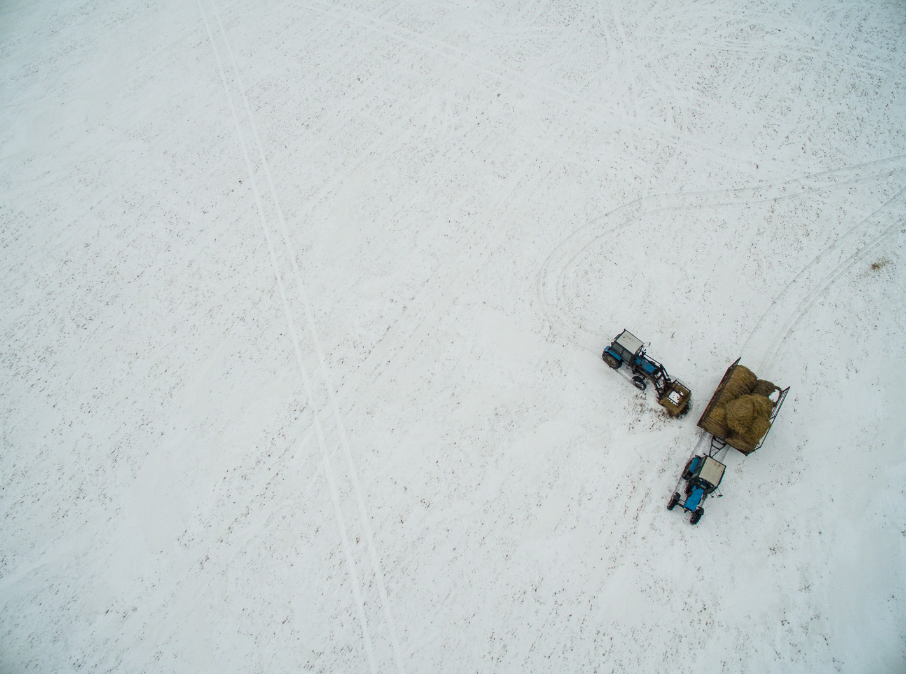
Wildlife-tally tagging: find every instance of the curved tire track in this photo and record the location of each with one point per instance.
(561, 260)
(824, 270)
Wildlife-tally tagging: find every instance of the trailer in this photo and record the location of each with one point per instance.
(711, 421)
(672, 394)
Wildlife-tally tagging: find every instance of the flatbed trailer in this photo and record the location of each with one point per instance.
(708, 423)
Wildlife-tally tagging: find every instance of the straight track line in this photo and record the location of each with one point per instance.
(328, 470)
(325, 373)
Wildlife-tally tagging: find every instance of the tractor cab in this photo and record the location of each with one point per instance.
(624, 349)
(702, 475)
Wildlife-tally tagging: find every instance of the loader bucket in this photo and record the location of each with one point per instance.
(676, 398)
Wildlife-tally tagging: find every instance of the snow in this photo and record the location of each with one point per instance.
(304, 308)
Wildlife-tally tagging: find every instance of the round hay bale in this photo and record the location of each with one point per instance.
(764, 388)
(756, 431)
(719, 415)
(743, 412)
(763, 406)
(741, 382)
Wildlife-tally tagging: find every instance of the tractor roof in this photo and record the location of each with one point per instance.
(629, 341)
(712, 472)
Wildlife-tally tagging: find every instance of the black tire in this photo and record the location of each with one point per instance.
(696, 516)
(687, 471)
(689, 488)
(671, 504)
(610, 360)
(639, 383)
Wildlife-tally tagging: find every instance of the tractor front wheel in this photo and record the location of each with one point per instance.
(696, 516)
(611, 360)
(671, 504)
(639, 383)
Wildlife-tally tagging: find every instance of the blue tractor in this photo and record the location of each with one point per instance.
(702, 476)
(627, 349)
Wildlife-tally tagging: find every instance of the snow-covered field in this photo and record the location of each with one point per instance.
(303, 307)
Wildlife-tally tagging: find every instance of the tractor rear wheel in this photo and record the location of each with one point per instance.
(671, 504)
(610, 360)
(696, 516)
(687, 471)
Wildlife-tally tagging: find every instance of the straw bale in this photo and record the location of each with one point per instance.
(754, 434)
(764, 388)
(743, 412)
(741, 382)
(719, 415)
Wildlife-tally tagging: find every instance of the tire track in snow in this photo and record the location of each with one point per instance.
(806, 288)
(634, 92)
(337, 179)
(325, 373)
(328, 470)
(521, 81)
(561, 259)
(468, 261)
(769, 47)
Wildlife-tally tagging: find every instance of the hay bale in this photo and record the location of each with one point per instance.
(741, 382)
(764, 388)
(719, 415)
(755, 432)
(743, 412)
(737, 442)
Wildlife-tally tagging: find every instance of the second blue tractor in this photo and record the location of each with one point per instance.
(627, 349)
